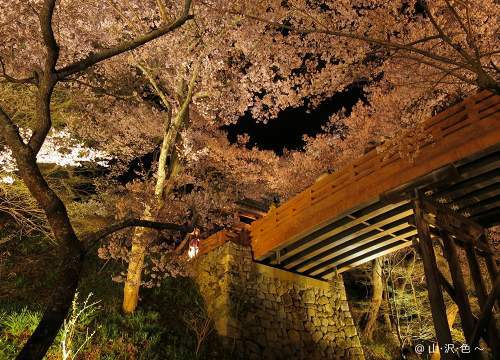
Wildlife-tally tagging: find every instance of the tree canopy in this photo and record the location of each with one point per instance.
(123, 78)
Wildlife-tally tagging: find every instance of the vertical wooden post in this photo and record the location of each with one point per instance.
(435, 294)
(490, 264)
(460, 291)
(485, 316)
(477, 279)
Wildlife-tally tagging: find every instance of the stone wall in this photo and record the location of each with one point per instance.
(266, 313)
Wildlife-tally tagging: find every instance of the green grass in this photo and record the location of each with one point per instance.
(155, 331)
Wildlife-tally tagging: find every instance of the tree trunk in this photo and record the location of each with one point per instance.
(141, 236)
(376, 299)
(135, 265)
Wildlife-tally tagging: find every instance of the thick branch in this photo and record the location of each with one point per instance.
(443, 35)
(48, 35)
(93, 59)
(92, 239)
(46, 78)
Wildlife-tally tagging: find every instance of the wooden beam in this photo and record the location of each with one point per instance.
(435, 294)
(477, 279)
(454, 222)
(343, 268)
(461, 299)
(464, 188)
(341, 229)
(363, 249)
(348, 242)
(485, 317)
(491, 263)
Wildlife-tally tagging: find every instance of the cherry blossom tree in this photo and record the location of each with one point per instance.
(117, 72)
(51, 65)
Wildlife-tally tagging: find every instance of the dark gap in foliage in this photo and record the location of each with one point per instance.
(288, 129)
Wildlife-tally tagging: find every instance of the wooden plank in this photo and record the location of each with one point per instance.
(450, 252)
(435, 294)
(472, 184)
(342, 228)
(483, 206)
(339, 241)
(353, 265)
(361, 251)
(476, 196)
(338, 248)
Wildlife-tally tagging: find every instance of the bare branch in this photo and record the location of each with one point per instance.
(157, 88)
(467, 30)
(102, 91)
(425, 39)
(92, 239)
(11, 79)
(96, 58)
(436, 66)
(163, 10)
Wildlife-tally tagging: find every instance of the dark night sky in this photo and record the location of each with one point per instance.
(287, 129)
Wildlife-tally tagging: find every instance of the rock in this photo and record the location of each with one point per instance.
(287, 300)
(272, 289)
(350, 331)
(272, 335)
(317, 336)
(323, 300)
(252, 347)
(308, 297)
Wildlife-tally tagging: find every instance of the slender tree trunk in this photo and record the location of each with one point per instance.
(135, 265)
(376, 300)
(140, 238)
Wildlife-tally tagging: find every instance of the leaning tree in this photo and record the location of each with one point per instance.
(44, 61)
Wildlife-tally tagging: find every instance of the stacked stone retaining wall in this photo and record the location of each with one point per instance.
(268, 313)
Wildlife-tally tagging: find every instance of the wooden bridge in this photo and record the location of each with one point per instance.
(364, 210)
(447, 191)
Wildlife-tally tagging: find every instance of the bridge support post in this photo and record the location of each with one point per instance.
(435, 294)
(454, 229)
(460, 290)
(480, 287)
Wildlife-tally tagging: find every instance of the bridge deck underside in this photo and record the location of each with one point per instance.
(471, 187)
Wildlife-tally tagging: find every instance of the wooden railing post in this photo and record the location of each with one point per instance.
(438, 308)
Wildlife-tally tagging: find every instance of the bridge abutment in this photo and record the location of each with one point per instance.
(267, 313)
